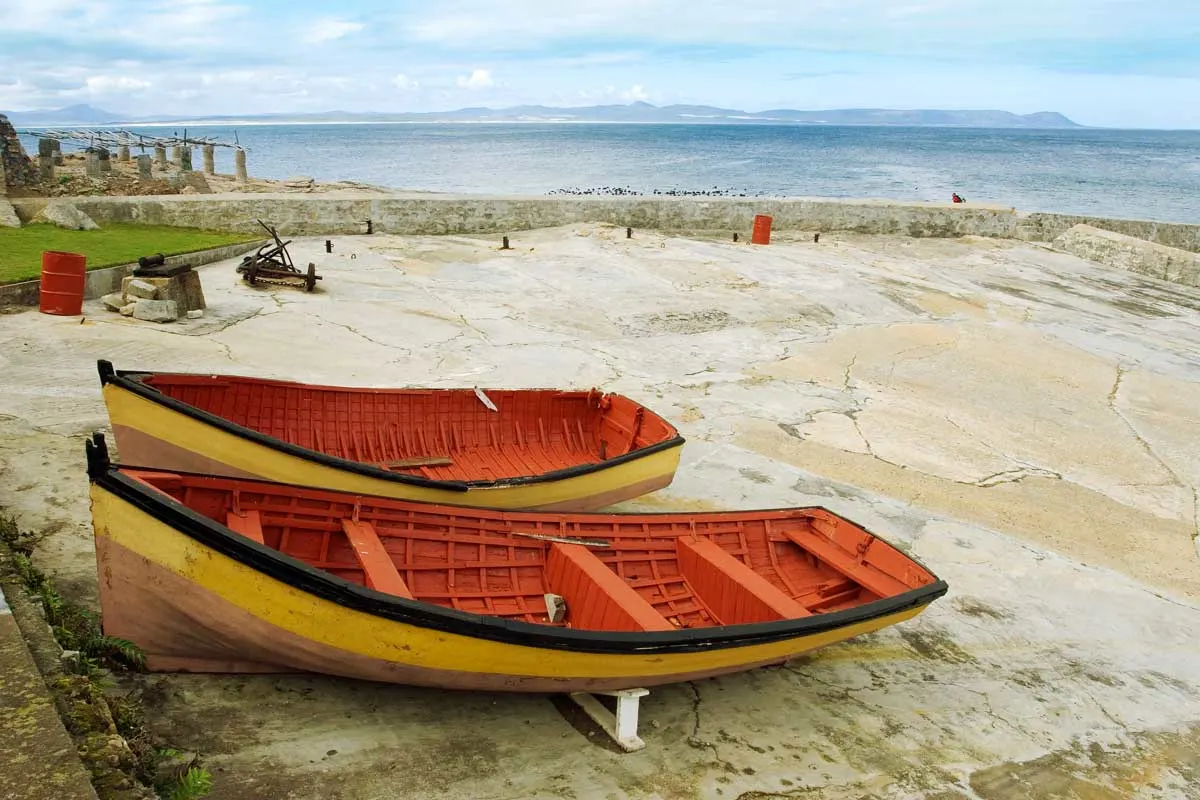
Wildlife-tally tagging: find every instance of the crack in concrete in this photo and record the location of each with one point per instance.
(461, 317)
(1150, 451)
(228, 350)
(847, 693)
(846, 374)
(1013, 476)
(991, 712)
(694, 739)
(363, 336)
(695, 707)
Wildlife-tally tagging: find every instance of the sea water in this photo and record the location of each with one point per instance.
(1119, 173)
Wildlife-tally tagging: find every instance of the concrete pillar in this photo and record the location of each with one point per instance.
(92, 164)
(58, 156)
(46, 160)
(185, 159)
(160, 157)
(105, 161)
(144, 171)
(175, 155)
(239, 165)
(123, 154)
(210, 159)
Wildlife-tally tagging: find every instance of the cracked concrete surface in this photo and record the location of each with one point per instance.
(1024, 422)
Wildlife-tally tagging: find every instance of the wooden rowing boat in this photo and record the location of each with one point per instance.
(530, 448)
(213, 574)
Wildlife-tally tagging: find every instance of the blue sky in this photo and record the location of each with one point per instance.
(1102, 62)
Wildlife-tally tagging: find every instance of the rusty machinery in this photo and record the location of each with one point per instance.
(272, 264)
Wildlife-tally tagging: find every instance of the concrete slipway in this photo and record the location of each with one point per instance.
(1025, 422)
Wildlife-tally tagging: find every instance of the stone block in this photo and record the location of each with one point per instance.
(114, 301)
(156, 310)
(127, 310)
(65, 215)
(8, 215)
(139, 288)
(183, 288)
(144, 167)
(190, 291)
(197, 182)
(195, 313)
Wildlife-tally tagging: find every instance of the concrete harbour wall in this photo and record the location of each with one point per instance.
(315, 215)
(1131, 253)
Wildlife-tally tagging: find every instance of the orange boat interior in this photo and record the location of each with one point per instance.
(441, 434)
(614, 572)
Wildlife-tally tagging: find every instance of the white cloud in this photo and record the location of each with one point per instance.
(637, 92)
(405, 83)
(478, 79)
(328, 30)
(106, 84)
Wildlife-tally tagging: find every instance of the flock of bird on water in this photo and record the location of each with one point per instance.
(626, 191)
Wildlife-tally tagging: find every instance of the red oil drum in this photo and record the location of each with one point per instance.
(762, 230)
(63, 276)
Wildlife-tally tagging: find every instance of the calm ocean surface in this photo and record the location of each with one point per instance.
(1139, 174)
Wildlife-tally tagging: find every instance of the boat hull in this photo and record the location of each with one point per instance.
(152, 434)
(192, 608)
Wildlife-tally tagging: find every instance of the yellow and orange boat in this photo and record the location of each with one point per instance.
(539, 449)
(217, 574)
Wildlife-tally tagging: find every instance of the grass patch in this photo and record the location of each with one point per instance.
(114, 244)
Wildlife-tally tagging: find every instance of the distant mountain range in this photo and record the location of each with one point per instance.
(634, 112)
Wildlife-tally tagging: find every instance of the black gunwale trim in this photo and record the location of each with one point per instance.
(310, 580)
(128, 380)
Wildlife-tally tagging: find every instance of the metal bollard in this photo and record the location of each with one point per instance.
(505, 245)
(370, 229)
(629, 233)
(328, 246)
(735, 237)
(816, 238)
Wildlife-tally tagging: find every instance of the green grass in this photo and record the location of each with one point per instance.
(115, 243)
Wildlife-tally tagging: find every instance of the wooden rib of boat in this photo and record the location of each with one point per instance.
(524, 449)
(213, 574)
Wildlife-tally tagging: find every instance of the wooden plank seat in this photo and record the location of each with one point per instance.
(247, 523)
(597, 598)
(733, 592)
(853, 567)
(379, 571)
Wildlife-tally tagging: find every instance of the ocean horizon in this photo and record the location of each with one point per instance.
(1138, 174)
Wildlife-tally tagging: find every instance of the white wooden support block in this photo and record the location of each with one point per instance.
(622, 726)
